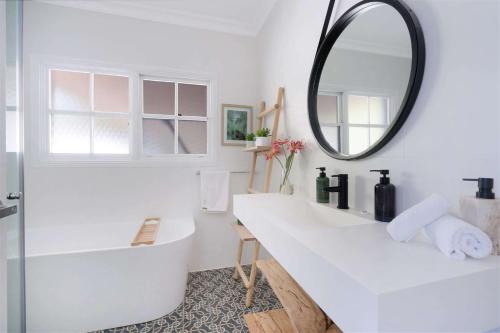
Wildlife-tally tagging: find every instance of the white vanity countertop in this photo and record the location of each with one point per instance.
(358, 251)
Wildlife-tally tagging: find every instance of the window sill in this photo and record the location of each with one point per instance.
(125, 161)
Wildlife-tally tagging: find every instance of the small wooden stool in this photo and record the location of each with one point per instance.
(248, 282)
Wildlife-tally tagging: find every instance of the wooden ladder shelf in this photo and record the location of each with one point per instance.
(276, 111)
(243, 233)
(303, 315)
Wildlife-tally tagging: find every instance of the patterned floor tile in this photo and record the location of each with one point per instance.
(214, 303)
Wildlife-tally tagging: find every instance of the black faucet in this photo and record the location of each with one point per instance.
(342, 189)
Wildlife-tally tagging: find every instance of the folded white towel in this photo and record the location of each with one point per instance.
(214, 187)
(457, 238)
(407, 224)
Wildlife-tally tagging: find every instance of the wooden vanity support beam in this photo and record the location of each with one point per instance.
(274, 321)
(304, 314)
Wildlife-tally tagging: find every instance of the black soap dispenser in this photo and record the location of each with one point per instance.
(485, 187)
(322, 182)
(385, 198)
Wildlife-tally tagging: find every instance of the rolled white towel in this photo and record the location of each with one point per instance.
(407, 224)
(457, 238)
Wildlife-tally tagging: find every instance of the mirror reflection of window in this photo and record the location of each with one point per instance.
(367, 120)
(329, 118)
(364, 80)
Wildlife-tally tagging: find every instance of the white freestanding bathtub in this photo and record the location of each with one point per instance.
(88, 277)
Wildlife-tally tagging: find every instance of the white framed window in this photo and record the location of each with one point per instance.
(174, 117)
(90, 113)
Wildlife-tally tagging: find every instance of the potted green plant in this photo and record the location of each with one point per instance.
(263, 137)
(250, 140)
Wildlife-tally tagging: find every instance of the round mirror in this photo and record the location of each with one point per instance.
(365, 78)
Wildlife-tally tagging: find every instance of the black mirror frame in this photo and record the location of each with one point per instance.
(414, 83)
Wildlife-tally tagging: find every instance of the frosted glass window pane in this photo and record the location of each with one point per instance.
(158, 136)
(111, 136)
(378, 111)
(111, 93)
(359, 139)
(331, 134)
(192, 137)
(376, 133)
(327, 109)
(357, 107)
(192, 100)
(70, 90)
(159, 97)
(70, 134)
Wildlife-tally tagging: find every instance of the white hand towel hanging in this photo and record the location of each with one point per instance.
(214, 186)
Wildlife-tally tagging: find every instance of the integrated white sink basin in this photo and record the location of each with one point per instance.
(330, 216)
(365, 281)
(302, 213)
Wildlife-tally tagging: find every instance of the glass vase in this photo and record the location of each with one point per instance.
(285, 186)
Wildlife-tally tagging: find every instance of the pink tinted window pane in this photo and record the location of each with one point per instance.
(110, 93)
(192, 137)
(159, 97)
(70, 90)
(192, 100)
(327, 109)
(158, 136)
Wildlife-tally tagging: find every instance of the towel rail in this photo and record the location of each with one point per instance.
(198, 172)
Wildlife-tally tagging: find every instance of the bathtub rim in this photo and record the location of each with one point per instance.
(189, 233)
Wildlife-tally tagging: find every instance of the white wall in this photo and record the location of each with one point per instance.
(453, 130)
(70, 195)
(3, 238)
(451, 133)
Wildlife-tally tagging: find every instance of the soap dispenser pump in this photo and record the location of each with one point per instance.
(485, 187)
(322, 182)
(385, 198)
(483, 210)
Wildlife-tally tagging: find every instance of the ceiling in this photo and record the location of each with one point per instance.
(243, 17)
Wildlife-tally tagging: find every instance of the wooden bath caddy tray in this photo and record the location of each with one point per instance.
(148, 232)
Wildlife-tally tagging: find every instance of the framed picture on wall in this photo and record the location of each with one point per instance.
(236, 123)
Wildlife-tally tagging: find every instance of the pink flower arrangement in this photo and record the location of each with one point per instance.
(296, 146)
(289, 148)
